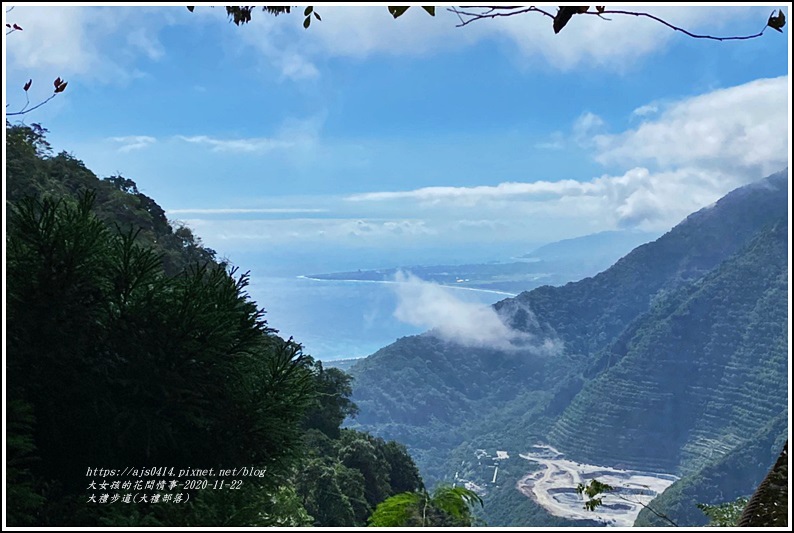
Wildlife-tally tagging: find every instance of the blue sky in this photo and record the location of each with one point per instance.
(372, 135)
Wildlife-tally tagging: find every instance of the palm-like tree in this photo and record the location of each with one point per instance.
(446, 506)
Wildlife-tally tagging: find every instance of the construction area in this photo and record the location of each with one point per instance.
(553, 487)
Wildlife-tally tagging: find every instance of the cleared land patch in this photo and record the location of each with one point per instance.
(554, 487)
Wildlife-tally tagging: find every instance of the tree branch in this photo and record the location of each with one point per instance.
(676, 28)
(24, 111)
(493, 12)
(651, 509)
(474, 13)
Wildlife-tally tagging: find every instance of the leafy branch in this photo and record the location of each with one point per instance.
(242, 14)
(421, 509)
(651, 509)
(13, 28)
(592, 491)
(59, 84)
(471, 14)
(595, 489)
(725, 514)
(397, 11)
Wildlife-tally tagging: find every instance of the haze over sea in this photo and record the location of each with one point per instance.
(341, 319)
(345, 319)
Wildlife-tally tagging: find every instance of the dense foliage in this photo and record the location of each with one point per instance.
(32, 171)
(128, 345)
(725, 514)
(446, 507)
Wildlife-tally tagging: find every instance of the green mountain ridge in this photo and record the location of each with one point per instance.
(701, 374)
(601, 245)
(713, 289)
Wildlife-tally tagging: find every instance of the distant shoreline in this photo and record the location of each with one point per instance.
(492, 291)
(342, 364)
(345, 359)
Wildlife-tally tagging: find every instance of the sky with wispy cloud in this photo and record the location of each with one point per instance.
(368, 133)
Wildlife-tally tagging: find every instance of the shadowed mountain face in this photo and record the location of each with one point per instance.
(722, 479)
(690, 378)
(666, 360)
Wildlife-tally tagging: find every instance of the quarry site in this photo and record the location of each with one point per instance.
(553, 487)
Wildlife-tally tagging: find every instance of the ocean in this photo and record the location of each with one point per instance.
(341, 319)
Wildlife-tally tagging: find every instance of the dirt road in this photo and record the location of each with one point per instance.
(554, 488)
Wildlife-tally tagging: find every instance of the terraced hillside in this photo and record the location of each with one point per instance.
(721, 480)
(689, 380)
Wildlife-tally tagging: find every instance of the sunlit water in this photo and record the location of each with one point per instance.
(340, 319)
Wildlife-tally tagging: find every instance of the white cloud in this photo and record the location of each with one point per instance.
(247, 145)
(52, 37)
(637, 198)
(235, 233)
(296, 67)
(478, 194)
(134, 142)
(550, 145)
(738, 130)
(346, 31)
(103, 44)
(615, 44)
(477, 224)
(690, 154)
(364, 31)
(687, 155)
(293, 134)
(100, 44)
(588, 42)
(586, 126)
(281, 45)
(645, 110)
(143, 39)
(238, 211)
(429, 305)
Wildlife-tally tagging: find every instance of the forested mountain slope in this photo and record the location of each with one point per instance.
(656, 362)
(130, 347)
(720, 480)
(690, 379)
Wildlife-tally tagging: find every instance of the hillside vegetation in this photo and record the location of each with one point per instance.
(667, 360)
(129, 347)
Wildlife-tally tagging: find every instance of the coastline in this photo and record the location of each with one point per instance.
(491, 291)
